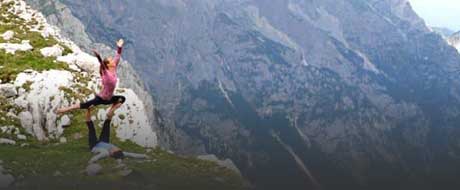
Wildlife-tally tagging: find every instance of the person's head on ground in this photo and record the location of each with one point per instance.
(117, 154)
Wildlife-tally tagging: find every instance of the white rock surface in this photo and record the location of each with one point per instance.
(8, 35)
(62, 140)
(7, 141)
(64, 121)
(38, 105)
(21, 137)
(82, 60)
(27, 121)
(93, 169)
(8, 90)
(53, 51)
(12, 48)
(135, 124)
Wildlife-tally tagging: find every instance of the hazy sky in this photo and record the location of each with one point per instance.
(445, 13)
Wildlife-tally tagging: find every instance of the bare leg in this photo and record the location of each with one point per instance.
(67, 109)
(112, 109)
(88, 114)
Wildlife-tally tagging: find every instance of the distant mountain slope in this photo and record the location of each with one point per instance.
(356, 94)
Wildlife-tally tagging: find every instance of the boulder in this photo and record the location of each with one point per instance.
(82, 60)
(64, 121)
(12, 48)
(93, 169)
(62, 140)
(8, 35)
(21, 137)
(8, 90)
(53, 51)
(7, 141)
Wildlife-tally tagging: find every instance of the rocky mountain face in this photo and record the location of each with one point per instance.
(320, 94)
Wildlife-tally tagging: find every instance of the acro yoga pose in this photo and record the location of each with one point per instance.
(108, 72)
(102, 147)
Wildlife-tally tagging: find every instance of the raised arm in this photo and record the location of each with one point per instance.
(97, 56)
(102, 66)
(117, 57)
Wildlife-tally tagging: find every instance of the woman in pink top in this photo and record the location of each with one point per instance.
(108, 71)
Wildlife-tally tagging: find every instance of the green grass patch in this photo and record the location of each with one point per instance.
(20, 61)
(38, 164)
(67, 50)
(122, 117)
(5, 108)
(6, 120)
(17, 63)
(27, 86)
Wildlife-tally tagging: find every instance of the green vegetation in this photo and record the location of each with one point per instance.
(76, 92)
(122, 117)
(27, 86)
(67, 49)
(17, 63)
(20, 61)
(40, 163)
(6, 120)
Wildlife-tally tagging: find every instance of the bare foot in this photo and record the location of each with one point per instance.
(59, 111)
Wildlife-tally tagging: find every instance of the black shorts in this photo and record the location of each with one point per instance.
(98, 101)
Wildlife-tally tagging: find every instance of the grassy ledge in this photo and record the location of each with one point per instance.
(55, 165)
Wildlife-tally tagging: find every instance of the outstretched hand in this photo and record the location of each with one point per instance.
(120, 42)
